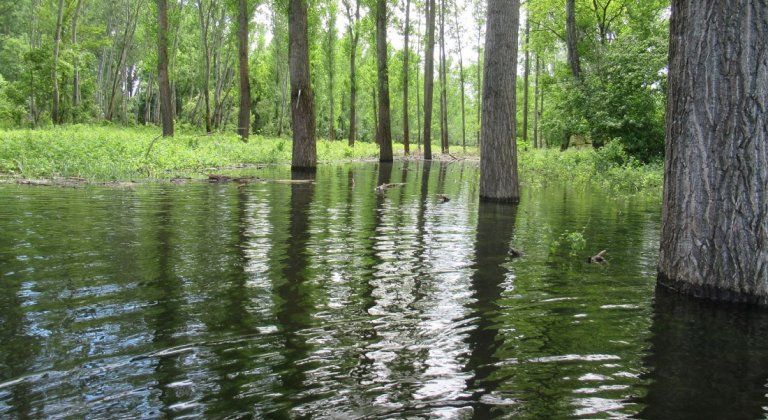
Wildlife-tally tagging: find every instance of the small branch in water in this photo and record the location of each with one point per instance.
(383, 187)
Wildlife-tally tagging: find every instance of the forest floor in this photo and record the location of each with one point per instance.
(115, 156)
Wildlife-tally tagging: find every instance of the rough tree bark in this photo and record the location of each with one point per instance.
(572, 40)
(166, 110)
(406, 56)
(384, 130)
(429, 78)
(244, 117)
(714, 241)
(498, 151)
(304, 153)
(526, 74)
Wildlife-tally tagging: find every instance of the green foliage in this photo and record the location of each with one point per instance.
(572, 242)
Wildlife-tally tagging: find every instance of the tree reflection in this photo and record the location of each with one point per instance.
(495, 228)
(707, 360)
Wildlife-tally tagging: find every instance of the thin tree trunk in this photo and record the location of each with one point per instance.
(304, 153)
(418, 83)
(244, 116)
(429, 78)
(461, 79)
(130, 29)
(331, 57)
(406, 57)
(204, 25)
(443, 83)
(384, 131)
(526, 74)
(354, 35)
(166, 111)
(75, 63)
(148, 101)
(375, 103)
(536, 104)
(479, 93)
(54, 72)
(714, 240)
(572, 40)
(498, 151)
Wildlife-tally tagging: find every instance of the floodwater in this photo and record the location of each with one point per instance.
(327, 300)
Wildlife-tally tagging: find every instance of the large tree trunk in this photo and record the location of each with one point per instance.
(384, 130)
(572, 39)
(526, 74)
(714, 240)
(244, 117)
(429, 79)
(54, 72)
(166, 110)
(498, 151)
(406, 56)
(304, 154)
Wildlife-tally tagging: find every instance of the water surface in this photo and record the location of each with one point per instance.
(327, 300)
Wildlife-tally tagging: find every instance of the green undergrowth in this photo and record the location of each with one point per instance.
(100, 153)
(609, 168)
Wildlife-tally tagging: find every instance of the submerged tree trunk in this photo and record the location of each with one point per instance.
(714, 241)
(304, 154)
(54, 74)
(572, 40)
(384, 131)
(406, 56)
(244, 117)
(429, 79)
(498, 151)
(166, 111)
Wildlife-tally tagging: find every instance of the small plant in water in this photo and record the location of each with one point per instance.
(571, 241)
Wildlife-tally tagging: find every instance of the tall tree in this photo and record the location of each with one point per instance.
(536, 103)
(572, 40)
(714, 240)
(54, 72)
(384, 130)
(526, 73)
(330, 56)
(429, 78)
(304, 153)
(166, 110)
(353, 32)
(406, 56)
(457, 27)
(498, 151)
(244, 117)
(76, 63)
(443, 83)
(205, 17)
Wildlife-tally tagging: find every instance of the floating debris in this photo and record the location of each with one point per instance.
(383, 187)
(443, 198)
(598, 259)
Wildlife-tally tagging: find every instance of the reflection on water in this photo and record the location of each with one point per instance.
(326, 299)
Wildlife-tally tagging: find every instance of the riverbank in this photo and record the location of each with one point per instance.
(98, 154)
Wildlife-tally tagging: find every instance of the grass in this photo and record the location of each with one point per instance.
(102, 153)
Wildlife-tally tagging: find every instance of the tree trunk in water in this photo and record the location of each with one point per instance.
(429, 79)
(54, 76)
(526, 75)
(714, 241)
(461, 80)
(498, 151)
(418, 83)
(384, 131)
(375, 104)
(536, 104)
(406, 56)
(244, 117)
(443, 87)
(166, 111)
(479, 93)
(304, 154)
(572, 40)
(75, 64)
